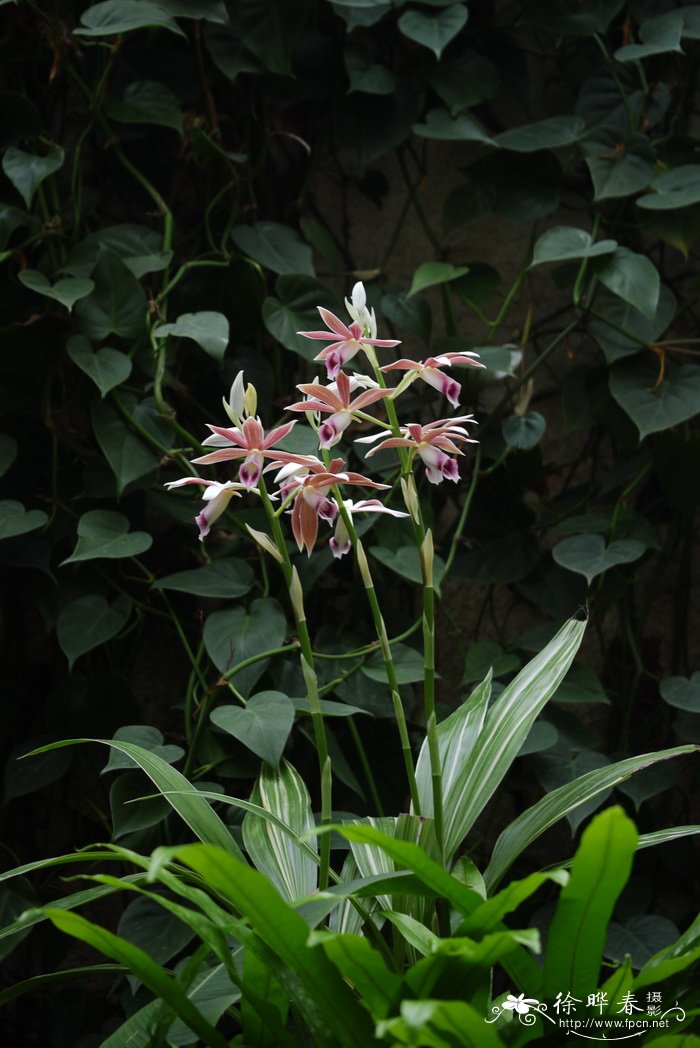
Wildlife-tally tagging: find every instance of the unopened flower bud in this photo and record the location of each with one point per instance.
(296, 595)
(265, 542)
(363, 566)
(427, 555)
(250, 401)
(410, 497)
(235, 404)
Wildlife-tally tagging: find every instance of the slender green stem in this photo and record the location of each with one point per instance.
(468, 499)
(366, 766)
(294, 646)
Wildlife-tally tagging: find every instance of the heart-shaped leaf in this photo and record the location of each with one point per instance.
(89, 621)
(619, 167)
(552, 133)
(121, 16)
(107, 368)
(405, 561)
(117, 306)
(633, 277)
(104, 534)
(650, 782)
(679, 187)
(487, 655)
(588, 555)
(407, 661)
(126, 451)
(209, 330)
(274, 246)
(431, 273)
(67, 291)
(523, 431)
(621, 330)
(16, 520)
(138, 247)
(659, 36)
(224, 579)
(295, 310)
(147, 738)
(234, 635)
(653, 406)
(27, 171)
(147, 102)
(442, 125)
(682, 692)
(263, 726)
(563, 243)
(434, 31)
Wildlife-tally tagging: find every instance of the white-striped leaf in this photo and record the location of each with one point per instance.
(457, 736)
(370, 858)
(345, 918)
(555, 805)
(505, 728)
(282, 791)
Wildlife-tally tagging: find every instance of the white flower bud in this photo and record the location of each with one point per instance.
(265, 542)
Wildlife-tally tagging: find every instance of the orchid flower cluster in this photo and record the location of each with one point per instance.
(305, 483)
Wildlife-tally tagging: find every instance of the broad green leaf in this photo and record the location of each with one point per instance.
(290, 869)
(182, 796)
(621, 330)
(104, 534)
(16, 520)
(405, 561)
(24, 777)
(26, 171)
(553, 133)
(363, 967)
(559, 802)
(147, 738)
(88, 622)
(440, 1024)
(650, 783)
(599, 872)
(619, 168)
(327, 1005)
(209, 330)
(129, 455)
(491, 912)
(117, 306)
(234, 635)
(542, 736)
(673, 959)
(264, 1005)
(138, 247)
(67, 291)
(122, 16)
(66, 975)
(147, 925)
(442, 125)
(413, 314)
(295, 310)
(651, 405)
(507, 725)
(407, 661)
(580, 685)
(429, 274)
(107, 368)
(563, 243)
(366, 74)
(659, 35)
(506, 559)
(487, 655)
(679, 187)
(434, 30)
(465, 80)
(633, 278)
(590, 556)
(274, 246)
(263, 726)
(523, 431)
(8, 452)
(682, 692)
(457, 738)
(142, 966)
(641, 937)
(130, 810)
(223, 579)
(415, 933)
(270, 29)
(147, 102)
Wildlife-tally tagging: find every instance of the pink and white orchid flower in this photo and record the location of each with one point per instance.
(430, 371)
(312, 480)
(336, 402)
(346, 341)
(217, 497)
(250, 444)
(340, 543)
(434, 444)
